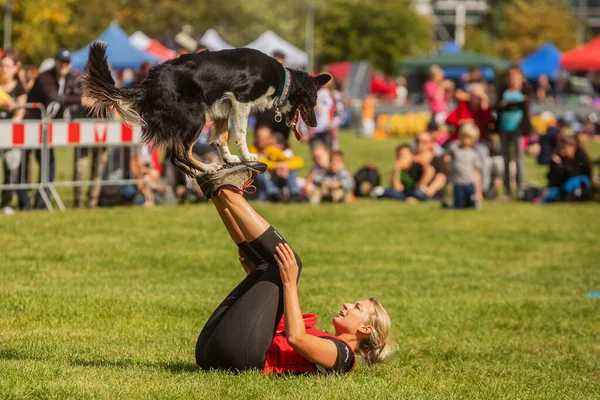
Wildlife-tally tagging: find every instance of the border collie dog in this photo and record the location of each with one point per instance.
(171, 104)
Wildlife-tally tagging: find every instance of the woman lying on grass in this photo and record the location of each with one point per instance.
(245, 332)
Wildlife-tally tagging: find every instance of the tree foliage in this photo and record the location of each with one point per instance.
(39, 31)
(517, 27)
(381, 31)
(479, 41)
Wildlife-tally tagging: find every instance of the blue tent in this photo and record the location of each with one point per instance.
(545, 60)
(121, 54)
(456, 73)
(450, 48)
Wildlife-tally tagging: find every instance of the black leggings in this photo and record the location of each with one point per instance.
(239, 332)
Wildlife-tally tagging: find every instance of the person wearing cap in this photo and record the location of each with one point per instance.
(56, 85)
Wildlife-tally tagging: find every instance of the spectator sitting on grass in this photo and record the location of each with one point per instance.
(282, 164)
(570, 173)
(435, 173)
(440, 136)
(408, 176)
(152, 190)
(549, 140)
(336, 185)
(465, 166)
(321, 160)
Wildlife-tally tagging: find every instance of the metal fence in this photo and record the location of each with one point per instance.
(104, 145)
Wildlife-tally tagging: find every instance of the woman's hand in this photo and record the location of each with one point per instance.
(286, 260)
(556, 158)
(7, 105)
(398, 165)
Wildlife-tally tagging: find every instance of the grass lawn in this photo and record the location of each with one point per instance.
(108, 303)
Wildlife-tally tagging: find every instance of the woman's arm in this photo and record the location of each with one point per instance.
(396, 182)
(308, 183)
(19, 113)
(427, 176)
(320, 351)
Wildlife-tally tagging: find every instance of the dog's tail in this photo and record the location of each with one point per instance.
(101, 94)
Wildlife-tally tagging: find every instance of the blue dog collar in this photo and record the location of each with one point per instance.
(286, 89)
(285, 93)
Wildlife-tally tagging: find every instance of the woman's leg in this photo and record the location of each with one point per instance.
(390, 193)
(250, 223)
(242, 328)
(520, 161)
(6, 194)
(505, 150)
(232, 228)
(234, 231)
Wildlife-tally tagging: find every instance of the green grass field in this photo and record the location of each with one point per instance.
(108, 303)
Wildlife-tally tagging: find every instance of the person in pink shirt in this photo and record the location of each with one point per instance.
(436, 95)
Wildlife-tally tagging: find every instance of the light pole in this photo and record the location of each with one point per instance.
(310, 35)
(581, 11)
(8, 24)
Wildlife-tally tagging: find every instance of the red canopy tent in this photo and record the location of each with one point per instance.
(339, 70)
(160, 51)
(584, 58)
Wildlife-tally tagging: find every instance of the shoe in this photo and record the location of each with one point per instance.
(234, 176)
(491, 194)
(237, 177)
(8, 211)
(377, 192)
(298, 198)
(275, 197)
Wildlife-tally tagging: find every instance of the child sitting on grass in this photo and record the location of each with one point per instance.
(407, 178)
(336, 185)
(465, 168)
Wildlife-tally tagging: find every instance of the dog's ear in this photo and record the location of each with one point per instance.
(322, 79)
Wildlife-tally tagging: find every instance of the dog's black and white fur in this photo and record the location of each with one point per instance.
(171, 103)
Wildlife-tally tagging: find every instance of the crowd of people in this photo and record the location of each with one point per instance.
(458, 150)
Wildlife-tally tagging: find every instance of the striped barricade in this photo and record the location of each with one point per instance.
(28, 134)
(92, 142)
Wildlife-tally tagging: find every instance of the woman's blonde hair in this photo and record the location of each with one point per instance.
(377, 347)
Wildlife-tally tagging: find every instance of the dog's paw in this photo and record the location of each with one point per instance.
(211, 168)
(231, 159)
(250, 157)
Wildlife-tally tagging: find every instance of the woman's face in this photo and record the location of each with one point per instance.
(568, 151)
(515, 78)
(424, 142)
(9, 67)
(321, 157)
(352, 317)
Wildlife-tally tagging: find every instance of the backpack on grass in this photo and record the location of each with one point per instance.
(366, 179)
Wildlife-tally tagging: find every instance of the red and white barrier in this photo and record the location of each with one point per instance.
(80, 133)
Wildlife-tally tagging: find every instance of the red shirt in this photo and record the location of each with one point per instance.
(281, 358)
(463, 114)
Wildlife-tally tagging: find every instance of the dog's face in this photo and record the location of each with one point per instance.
(303, 99)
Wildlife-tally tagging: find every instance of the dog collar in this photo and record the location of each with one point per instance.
(285, 93)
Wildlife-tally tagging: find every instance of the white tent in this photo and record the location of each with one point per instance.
(213, 41)
(269, 42)
(139, 40)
